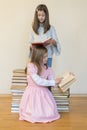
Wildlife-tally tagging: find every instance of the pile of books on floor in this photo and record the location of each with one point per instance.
(19, 83)
(62, 99)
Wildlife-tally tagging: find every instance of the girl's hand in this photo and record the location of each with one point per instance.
(58, 80)
(71, 73)
(32, 47)
(52, 42)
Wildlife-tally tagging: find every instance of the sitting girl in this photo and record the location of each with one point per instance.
(37, 103)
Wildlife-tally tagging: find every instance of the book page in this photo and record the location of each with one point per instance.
(67, 77)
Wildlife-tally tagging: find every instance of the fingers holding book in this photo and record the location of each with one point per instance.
(58, 80)
(50, 42)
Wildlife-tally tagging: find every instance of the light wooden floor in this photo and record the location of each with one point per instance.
(76, 119)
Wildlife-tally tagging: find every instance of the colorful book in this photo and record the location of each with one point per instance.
(44, 43)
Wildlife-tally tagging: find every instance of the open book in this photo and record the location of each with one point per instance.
(44, 43)
(68, 79)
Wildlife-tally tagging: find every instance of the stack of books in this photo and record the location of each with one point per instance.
(19, 77)
(62, 93)
(19, 83)
(62, 99)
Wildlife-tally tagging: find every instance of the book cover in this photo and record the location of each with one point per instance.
(19, 75)
(44, 43)
(19, 78)
(19, 71)
(19, 81)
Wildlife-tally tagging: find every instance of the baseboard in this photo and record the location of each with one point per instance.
(78, 95)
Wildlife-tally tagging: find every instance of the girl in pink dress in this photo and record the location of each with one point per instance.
(37, 103)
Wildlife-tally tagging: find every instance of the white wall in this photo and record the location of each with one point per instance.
(70, 20)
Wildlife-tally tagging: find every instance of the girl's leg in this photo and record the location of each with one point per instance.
(49, 63)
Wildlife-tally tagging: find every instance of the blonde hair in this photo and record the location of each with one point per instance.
(37, 56)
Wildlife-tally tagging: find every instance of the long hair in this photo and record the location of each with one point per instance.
(36, 23)
(37, 56)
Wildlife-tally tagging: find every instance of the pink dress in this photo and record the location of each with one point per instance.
(37, 103)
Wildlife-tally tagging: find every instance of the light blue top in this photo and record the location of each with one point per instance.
(51, 33)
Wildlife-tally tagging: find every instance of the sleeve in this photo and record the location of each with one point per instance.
(51, 76)
(50, 73)
(32, 72)
(43, 82)
(31, 37)
(57, 50)
(30, 41)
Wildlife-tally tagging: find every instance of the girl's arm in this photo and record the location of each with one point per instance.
(31, 38)
(30, 41)
(32, 72)
(43, 82)
(56, 44)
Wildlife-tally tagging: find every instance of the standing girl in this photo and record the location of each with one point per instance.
(37, 103)
(42, 31)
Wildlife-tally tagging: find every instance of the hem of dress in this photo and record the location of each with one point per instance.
(39, 121)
